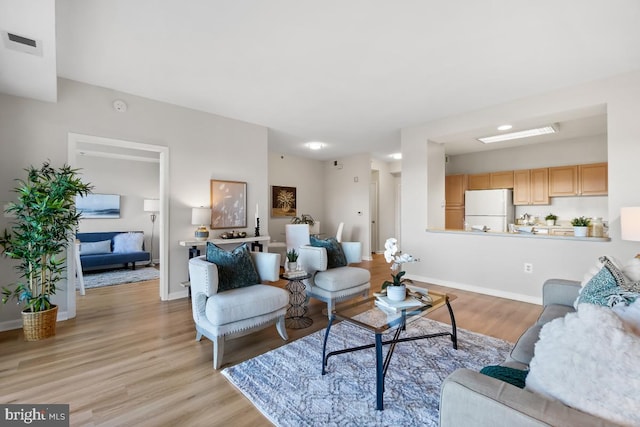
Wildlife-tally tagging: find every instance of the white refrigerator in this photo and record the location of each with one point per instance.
(489, 208)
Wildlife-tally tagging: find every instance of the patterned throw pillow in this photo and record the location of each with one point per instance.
(602, 289)
(621, 279)
(235, 268)
(335, 254)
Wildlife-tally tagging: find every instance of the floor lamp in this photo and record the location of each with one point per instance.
(153, 206)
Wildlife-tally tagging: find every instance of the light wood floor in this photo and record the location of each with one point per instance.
(130, 359)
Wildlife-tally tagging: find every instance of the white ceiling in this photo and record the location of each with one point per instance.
(347, 73)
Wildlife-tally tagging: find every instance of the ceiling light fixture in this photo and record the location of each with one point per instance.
(315, 145)
(396, 156)
(504, 127)
(520, 134)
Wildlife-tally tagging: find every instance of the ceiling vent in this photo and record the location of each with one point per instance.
(21, 43)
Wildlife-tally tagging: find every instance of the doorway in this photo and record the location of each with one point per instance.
(108, 147)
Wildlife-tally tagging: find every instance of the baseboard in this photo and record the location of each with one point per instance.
(478, 289)
(178, 295)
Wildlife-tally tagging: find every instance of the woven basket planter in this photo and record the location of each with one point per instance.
(39, 325)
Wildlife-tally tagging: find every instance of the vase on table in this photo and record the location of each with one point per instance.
(397, 293)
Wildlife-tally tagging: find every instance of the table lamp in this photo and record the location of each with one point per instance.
(153, 206)
(201, 216)
(630, 224)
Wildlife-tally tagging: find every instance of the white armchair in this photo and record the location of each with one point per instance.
(232, 313)
(332, 285)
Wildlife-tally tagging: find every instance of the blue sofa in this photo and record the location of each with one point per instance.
(106, 257)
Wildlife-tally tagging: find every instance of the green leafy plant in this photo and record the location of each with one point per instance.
(580, 222)
(397, 280)
(551, 217)
(303, 219)
(292, 255)
(45, 220)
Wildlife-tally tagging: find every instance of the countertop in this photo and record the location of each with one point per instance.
(522, 235)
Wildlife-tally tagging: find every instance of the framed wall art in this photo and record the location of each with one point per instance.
(283, 201)
(228, 204)
(99, 205)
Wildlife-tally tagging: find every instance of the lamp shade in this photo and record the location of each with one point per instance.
(630, 223)
(151, 205)
(200, 216)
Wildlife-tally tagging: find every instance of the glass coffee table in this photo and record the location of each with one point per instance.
(366, 314)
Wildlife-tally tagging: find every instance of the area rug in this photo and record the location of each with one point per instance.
(287, 386)
(118, 277)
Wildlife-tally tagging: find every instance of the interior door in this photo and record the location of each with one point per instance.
(373, 208)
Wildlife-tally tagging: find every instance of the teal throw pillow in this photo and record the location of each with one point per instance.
(516, 377)
(335, 254)
(235, 268)
(603, 289)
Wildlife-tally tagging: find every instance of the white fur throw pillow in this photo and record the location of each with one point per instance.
(128, 242)
(588, 360)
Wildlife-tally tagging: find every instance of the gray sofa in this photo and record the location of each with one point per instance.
(470, 398)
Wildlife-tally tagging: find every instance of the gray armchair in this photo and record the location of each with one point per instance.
(332, 285)
(235, 312)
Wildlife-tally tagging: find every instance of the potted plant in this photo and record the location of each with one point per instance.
(551, 219)
(45, 219)
(303, 219)
(292, 260)
(396, 289)
(580, 226)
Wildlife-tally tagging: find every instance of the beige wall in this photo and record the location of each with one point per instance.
(201, 146)
(492, 264)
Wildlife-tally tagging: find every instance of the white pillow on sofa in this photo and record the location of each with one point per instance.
(587, 360)
(128, 242)
(93, 248)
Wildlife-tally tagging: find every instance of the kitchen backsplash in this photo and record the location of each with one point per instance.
(567, 208)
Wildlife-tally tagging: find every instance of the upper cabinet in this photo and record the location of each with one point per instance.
(490, 181)
(454, 188)
(594, 179)
(478, 181)
(579, 180)
(531, 187)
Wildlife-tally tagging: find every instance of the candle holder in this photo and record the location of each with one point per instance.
(257, 227)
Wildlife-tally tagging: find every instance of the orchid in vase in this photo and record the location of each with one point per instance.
(393, 255)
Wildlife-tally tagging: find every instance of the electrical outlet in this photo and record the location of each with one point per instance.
(528, 267)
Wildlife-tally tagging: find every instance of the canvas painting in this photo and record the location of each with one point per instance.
(283, 201)
(228, 204)
(99, 205)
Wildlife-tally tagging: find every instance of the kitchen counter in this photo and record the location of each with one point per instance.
(523, 235)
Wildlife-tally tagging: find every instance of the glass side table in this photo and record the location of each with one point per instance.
(297, 311)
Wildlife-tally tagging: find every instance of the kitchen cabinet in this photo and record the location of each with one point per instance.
(563, 181)
(531, 187)
(479, 181)
(490, 181)
(454, 218)
(502, 179)
(579, 180)
(593, 179)
(454, 188)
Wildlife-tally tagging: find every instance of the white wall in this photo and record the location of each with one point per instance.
(141, 181)
(387, 186)
(308, 177)
(494, 264)
(347, 198)
(201, 146)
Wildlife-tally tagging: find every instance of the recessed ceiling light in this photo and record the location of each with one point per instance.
(396, 156)
(517, 135)
(315, 145)
(504, 127)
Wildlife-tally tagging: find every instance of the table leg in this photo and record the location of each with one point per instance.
(324, 345)
(379, 374)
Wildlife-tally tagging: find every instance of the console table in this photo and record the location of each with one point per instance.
(194, 245)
